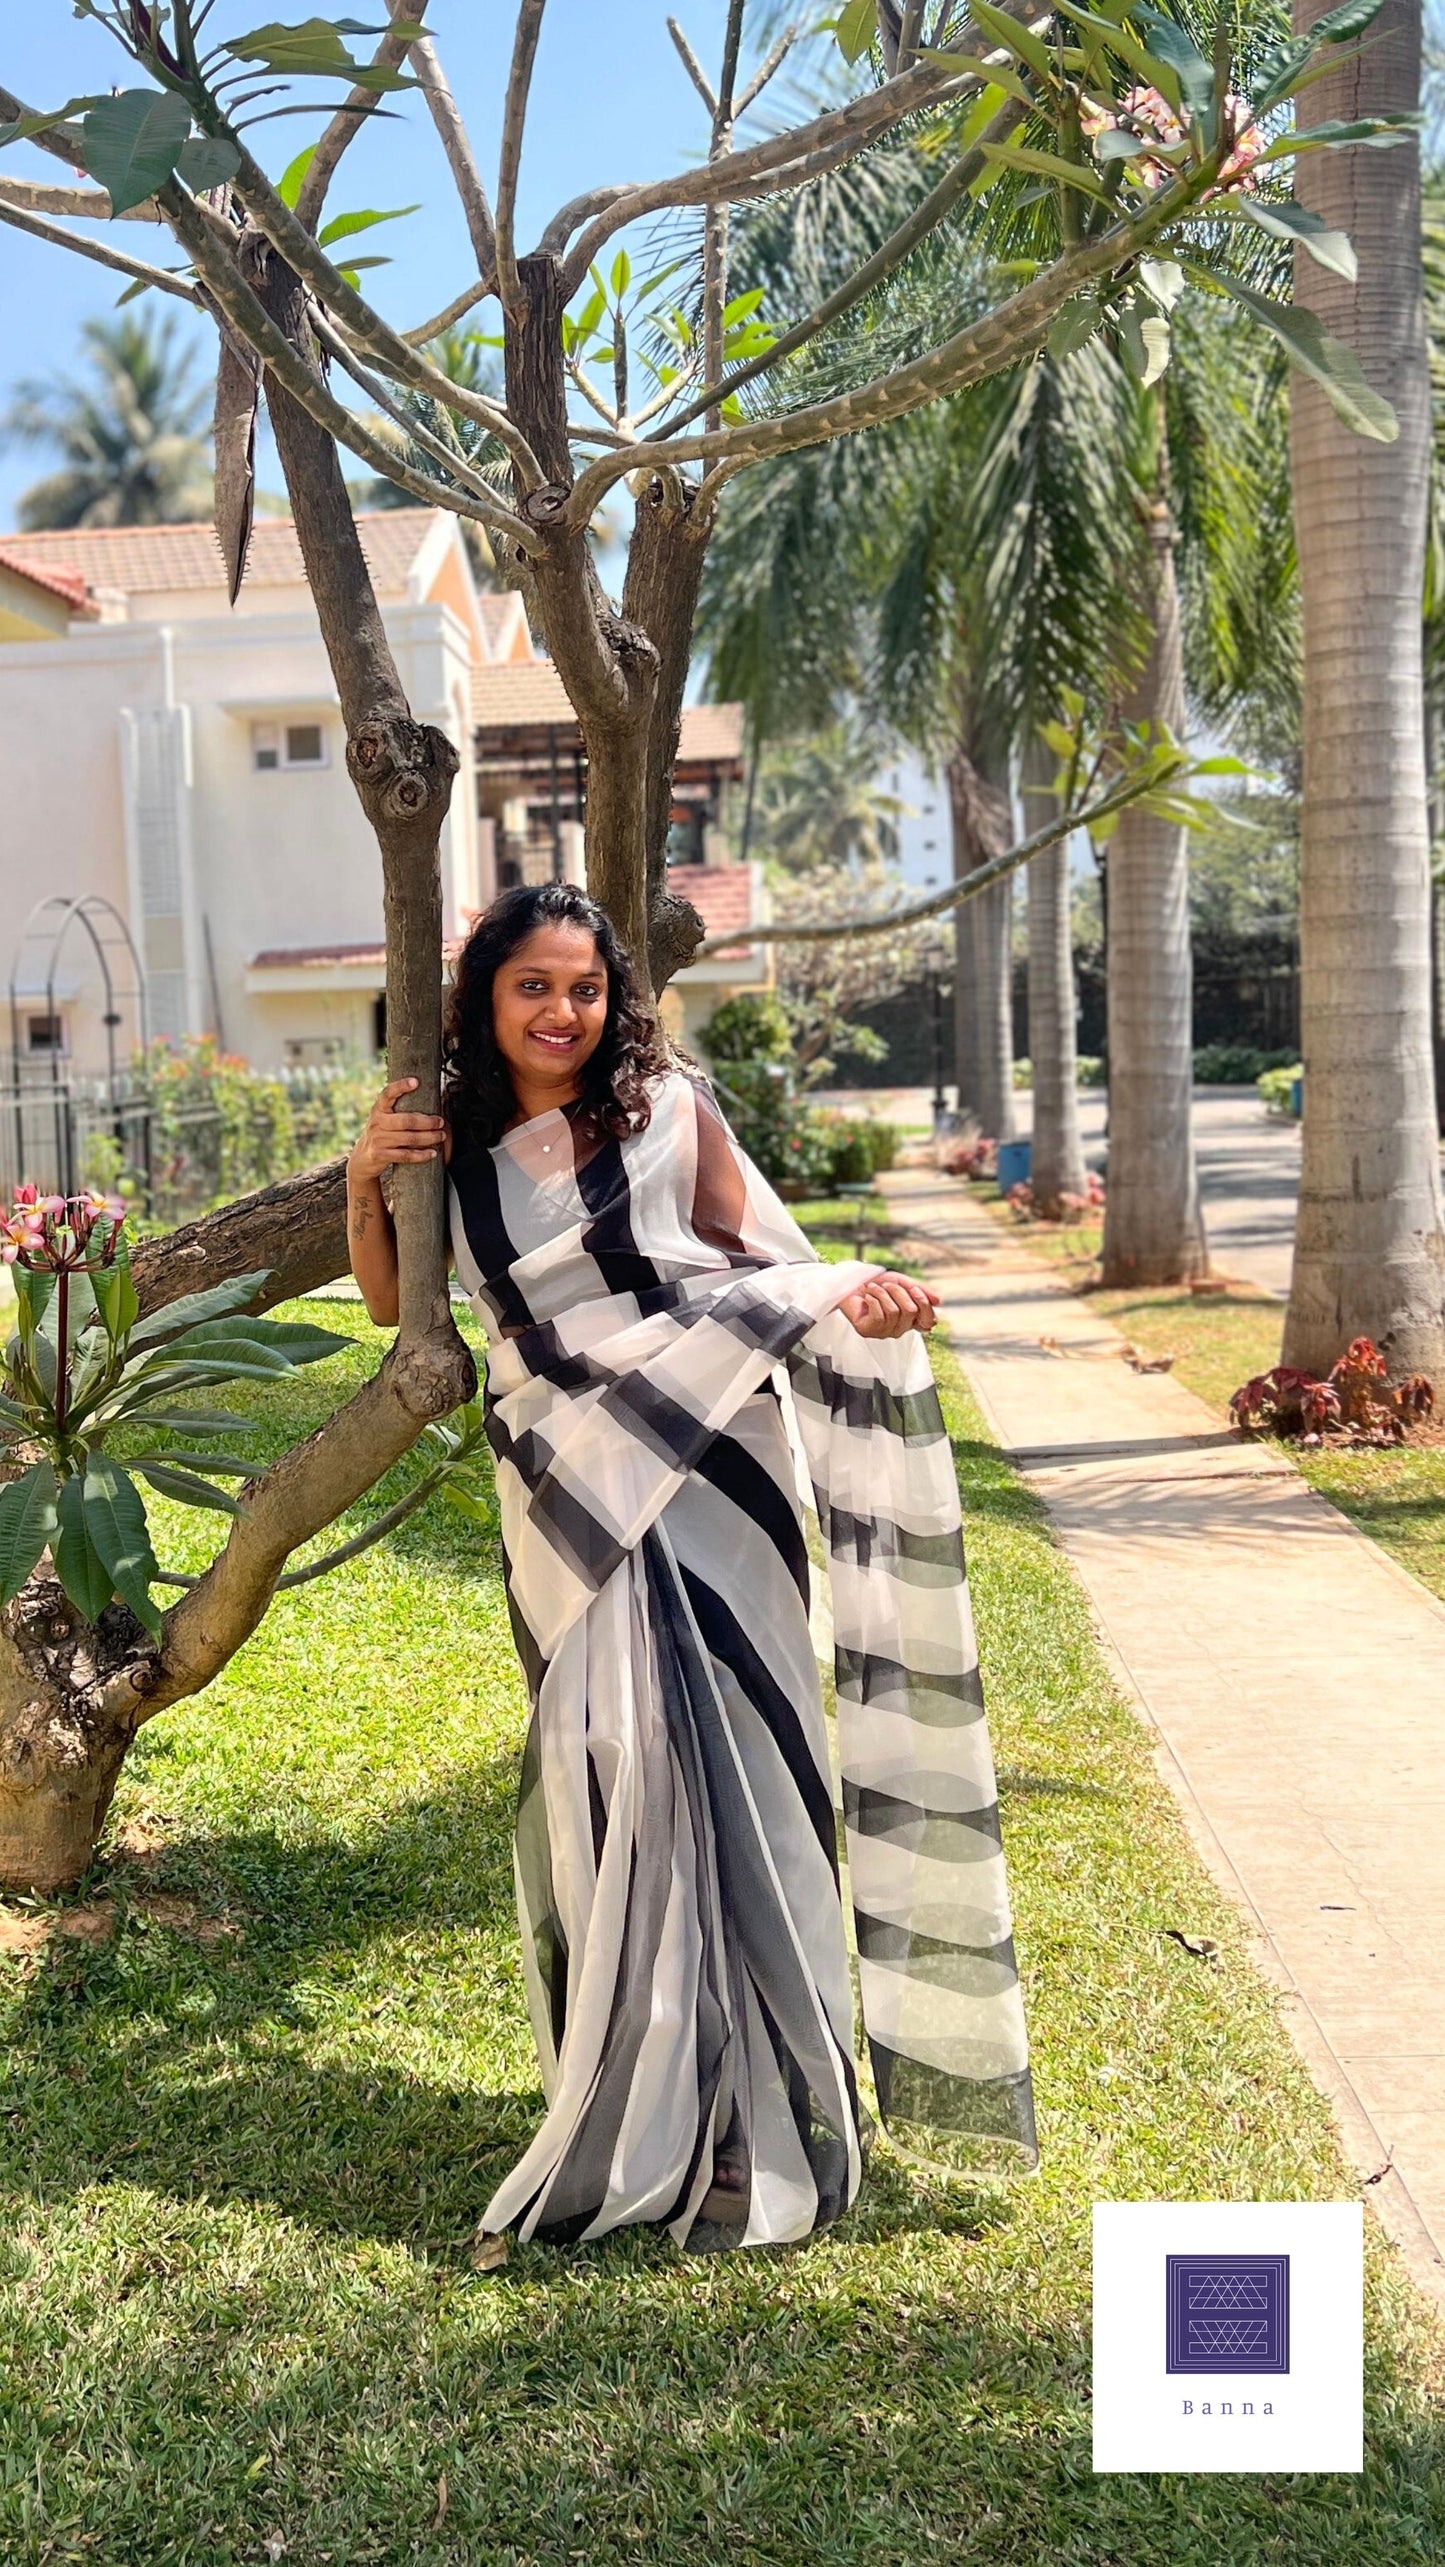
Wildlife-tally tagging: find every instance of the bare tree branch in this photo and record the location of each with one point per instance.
(770, 63)
(693, 67)
(457, 310)
(966, 887)
(910, 29)
(846, 129)
(456, 144)
(1000, 338)
(514, 118)
(33, 196)
(450, 457)
(365, 328)
(347, 122)
(84, 248)
(925, 218)
(578, 209)
(233, 296)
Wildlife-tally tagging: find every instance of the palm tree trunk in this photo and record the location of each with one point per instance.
(978, 797)
(1153, 1227)
(1058, 1150)
(1370, 1244)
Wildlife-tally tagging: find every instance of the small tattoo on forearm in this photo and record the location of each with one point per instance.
(360, 1216)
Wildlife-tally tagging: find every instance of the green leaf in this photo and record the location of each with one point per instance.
(1125, 45)
(40, 119)
(138, 286)
(116, 1297)
(192, 1307)
(34, 1291)
(998, 75)
(1169, 43)
(314, 50)
(27, 1521)
(1021, 42)
(282, 1342)
(621, 275)
(342, 226)
(1291, 222)
(1340, 26)
(591, 312)
(78, 1565)
(292, 178)
(115, 1524)
(1115, 144)
(206, 161)
(856, 28)
(1333, 366)
(192, 1421)
(352, 274)
(186, 1489)
(1379, 130)
(1069, 330)
(132, 143)
(1068, 173)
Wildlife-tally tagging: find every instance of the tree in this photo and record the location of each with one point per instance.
(177, 140)
(1370, 1241)
(132, 436)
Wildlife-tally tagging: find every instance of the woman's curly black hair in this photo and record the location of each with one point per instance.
(478, 1095)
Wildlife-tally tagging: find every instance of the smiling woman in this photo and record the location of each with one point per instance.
(666, 1353)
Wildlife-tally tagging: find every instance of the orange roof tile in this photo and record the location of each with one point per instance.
(139, 560)
(68, 584)
(722, 895)
(511, 694)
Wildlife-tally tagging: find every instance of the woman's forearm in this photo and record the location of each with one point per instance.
(371, 1247)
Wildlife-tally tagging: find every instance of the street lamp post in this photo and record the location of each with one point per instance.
(936, 959)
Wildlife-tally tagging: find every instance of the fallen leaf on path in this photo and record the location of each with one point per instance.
(1051, 1346)
(1202, 1946)
(1147, 1363)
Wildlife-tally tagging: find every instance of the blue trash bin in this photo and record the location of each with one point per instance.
(1297, 1098)
(1015, 1162)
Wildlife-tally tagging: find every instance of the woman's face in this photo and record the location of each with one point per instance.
(549, 1007)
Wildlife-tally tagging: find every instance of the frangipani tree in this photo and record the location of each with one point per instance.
(184, 141)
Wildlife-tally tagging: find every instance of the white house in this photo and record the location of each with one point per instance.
(178, 765)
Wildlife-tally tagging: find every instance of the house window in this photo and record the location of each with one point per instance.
(45, 1033)
(287, 745)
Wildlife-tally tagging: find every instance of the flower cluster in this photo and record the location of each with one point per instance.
(1147, 115)
(58, 1231)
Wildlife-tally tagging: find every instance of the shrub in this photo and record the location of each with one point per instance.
(1277, 1087)
(1235, 1064)
(747, 1030)
(1091, 1071)
(1356, 1401)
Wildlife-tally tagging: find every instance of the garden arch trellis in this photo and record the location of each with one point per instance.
(109, 937)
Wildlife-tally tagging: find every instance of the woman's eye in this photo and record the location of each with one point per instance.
(587, 989)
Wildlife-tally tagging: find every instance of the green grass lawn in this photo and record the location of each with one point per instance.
(1218, 1341)
(239, 2174)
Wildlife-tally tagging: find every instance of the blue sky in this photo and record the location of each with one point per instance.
(610, 100)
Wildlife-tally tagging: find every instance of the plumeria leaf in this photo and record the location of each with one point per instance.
(132, 143)
(293, 176)
(1169, 43)
(1288, 221)
(186, 1489)
(78, 1564)
(1380, 130)
(27, 1521)
(999, 75)
(1144, 339)
(207, 161)
(856, 28)
(293, 1340)
(195, 1306)
(314, 50)
(342, 226)
(39, 120)
(115, 1523)
(1333, 366)
(1021, 42)
(1070, 173)
(1115, 144)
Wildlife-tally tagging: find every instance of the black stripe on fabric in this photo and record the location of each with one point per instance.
(757, 1320)
(941, 1701)
(547, 1359)
(933, 2104)
(609, 1240)
(473, 1175)
(729, 1467)
(589, 1547)
(657, 1420)
(725, 1637)
(945, 1835)
(961, 1969)
(825, 2149)
(914, 1416)
(869, 1540)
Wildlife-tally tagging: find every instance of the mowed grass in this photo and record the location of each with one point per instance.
(239, 2175)
(1220, 1340)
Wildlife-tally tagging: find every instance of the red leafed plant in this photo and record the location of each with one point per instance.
(1357, 1401)
(974, 1155)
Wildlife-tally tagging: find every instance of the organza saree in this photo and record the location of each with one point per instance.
(667, 1364)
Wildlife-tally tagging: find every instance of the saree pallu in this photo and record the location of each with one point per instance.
(650, 1307)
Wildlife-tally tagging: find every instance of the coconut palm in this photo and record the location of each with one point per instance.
(819, 801)
(1370, 1242)
(132, 434)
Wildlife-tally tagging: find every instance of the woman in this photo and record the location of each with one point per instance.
(643, 1289)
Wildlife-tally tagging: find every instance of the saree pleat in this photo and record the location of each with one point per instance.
(651, 1307)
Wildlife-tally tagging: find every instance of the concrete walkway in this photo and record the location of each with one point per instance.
(1294, 1676)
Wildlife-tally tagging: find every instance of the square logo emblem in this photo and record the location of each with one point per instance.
(1227, 2314)
(1228, 2336)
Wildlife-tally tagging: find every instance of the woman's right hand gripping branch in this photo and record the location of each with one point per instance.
(388, 1139)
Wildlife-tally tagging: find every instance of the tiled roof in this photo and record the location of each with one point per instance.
(290, 958)
(68, 584)
(510, 694)
(722, 895)
(499, 614)
(139, 560)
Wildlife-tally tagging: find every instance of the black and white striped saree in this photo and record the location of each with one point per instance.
(655, 1320)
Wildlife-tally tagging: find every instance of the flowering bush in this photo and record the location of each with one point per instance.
(973, 1155)
(1072, 1207)
(1356, 1401)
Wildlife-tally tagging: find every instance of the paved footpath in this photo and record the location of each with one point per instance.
(1294, 1676)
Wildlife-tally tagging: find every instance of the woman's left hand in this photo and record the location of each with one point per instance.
(890, 1305)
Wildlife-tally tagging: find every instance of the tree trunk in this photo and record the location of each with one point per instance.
(296, 1230)
(1153, 1227)
(1369, 1245)
(978, 797)
(73, 1694)
(1057, 1165)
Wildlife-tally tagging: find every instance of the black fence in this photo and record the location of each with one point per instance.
(175, 1157)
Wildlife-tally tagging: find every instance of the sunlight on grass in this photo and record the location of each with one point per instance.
(239, 2177)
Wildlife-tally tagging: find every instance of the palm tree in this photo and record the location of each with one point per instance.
(1370, 1243)
(132, 436)
(819, 801)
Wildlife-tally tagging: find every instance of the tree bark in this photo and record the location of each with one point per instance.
(1057, 1162)
(1369, 1244)
(664, 573)
(296, 1230)
(1153, 1226)
(978, 795)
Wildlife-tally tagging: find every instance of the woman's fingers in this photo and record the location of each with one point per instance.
(890, 1305)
